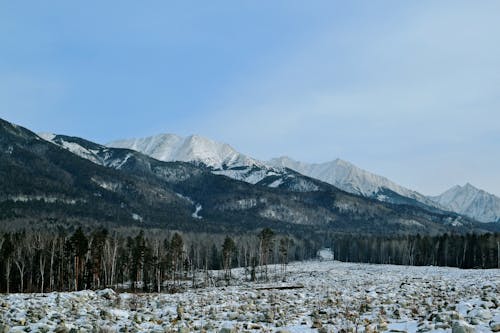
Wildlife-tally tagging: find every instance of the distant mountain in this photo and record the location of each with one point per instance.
(220, 158)
(48, 184)
(225, 160)
(352, 179)
(471, 201)
(286, 173)
(45, 186)
(194, 148)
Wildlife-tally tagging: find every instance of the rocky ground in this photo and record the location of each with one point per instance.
(324, 297)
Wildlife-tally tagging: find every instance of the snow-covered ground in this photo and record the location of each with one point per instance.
(327, 297)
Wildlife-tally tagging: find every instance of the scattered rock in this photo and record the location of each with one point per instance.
(180, 311)
(495, 326)
(480, 313)
(227, 330)
(107, 329)
(108, 294)
(462, 327)
(61, 329)
(269, 316)
(333, 299)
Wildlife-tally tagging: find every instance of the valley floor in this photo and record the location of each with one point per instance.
(328, 297)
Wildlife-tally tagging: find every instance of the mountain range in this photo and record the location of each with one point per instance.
(61, 181)
(225, 160)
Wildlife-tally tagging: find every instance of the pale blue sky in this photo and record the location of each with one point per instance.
(406, 89)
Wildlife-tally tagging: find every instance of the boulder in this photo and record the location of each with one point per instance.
(462, 327)
(495, 326)
(227, 330)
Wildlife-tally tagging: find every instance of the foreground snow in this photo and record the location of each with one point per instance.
(329, 296)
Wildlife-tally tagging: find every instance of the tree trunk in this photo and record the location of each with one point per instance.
(76, 272)
(51, 272)
(7, 274)
(20, 268)
(42, 272)
(113, 261)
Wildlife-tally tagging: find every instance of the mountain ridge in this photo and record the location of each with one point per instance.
(126, 187)
(350, 178)
(223, 159)
(171, 147)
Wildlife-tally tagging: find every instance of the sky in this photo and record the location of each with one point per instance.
(406, 89)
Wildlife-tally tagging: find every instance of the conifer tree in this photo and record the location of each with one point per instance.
(228, 250)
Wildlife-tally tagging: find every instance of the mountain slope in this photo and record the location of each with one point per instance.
(471, 201)
(224, 160)
(352, 179)
(286, 173)
(203, 201)
(42, 184)
(220, 158)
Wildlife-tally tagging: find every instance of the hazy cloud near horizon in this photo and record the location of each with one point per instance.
(410, 91)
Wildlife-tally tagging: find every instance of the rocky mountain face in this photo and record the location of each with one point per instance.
(221, 158)
(225, 160)
(285, 172)
(194, 148)
(471, 201)
(352, 179)
(72, 181)
(466, 200)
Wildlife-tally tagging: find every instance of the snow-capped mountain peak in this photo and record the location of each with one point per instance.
(194, 148)
(471, 201)
(220, 157)
(346, 176)
(225, 160)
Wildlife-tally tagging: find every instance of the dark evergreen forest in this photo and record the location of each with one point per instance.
(453, 250)
(167, 261)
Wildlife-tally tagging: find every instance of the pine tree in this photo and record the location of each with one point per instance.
(266, 237)
(283, 251)
(177, 252)
(7, 252)
(228, 250)
(79, 243)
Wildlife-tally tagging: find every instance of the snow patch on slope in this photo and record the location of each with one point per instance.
(196, 212)
(250, 175)
(276, 183)
(109, 186)
(47, 136)
(43, 198)
(137, 217)
(118, 164)
(75, 148)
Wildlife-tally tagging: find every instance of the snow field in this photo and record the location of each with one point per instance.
(328, 297)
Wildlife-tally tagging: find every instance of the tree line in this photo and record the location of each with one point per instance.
(453, 250)
(146, 261)
(166, 261)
